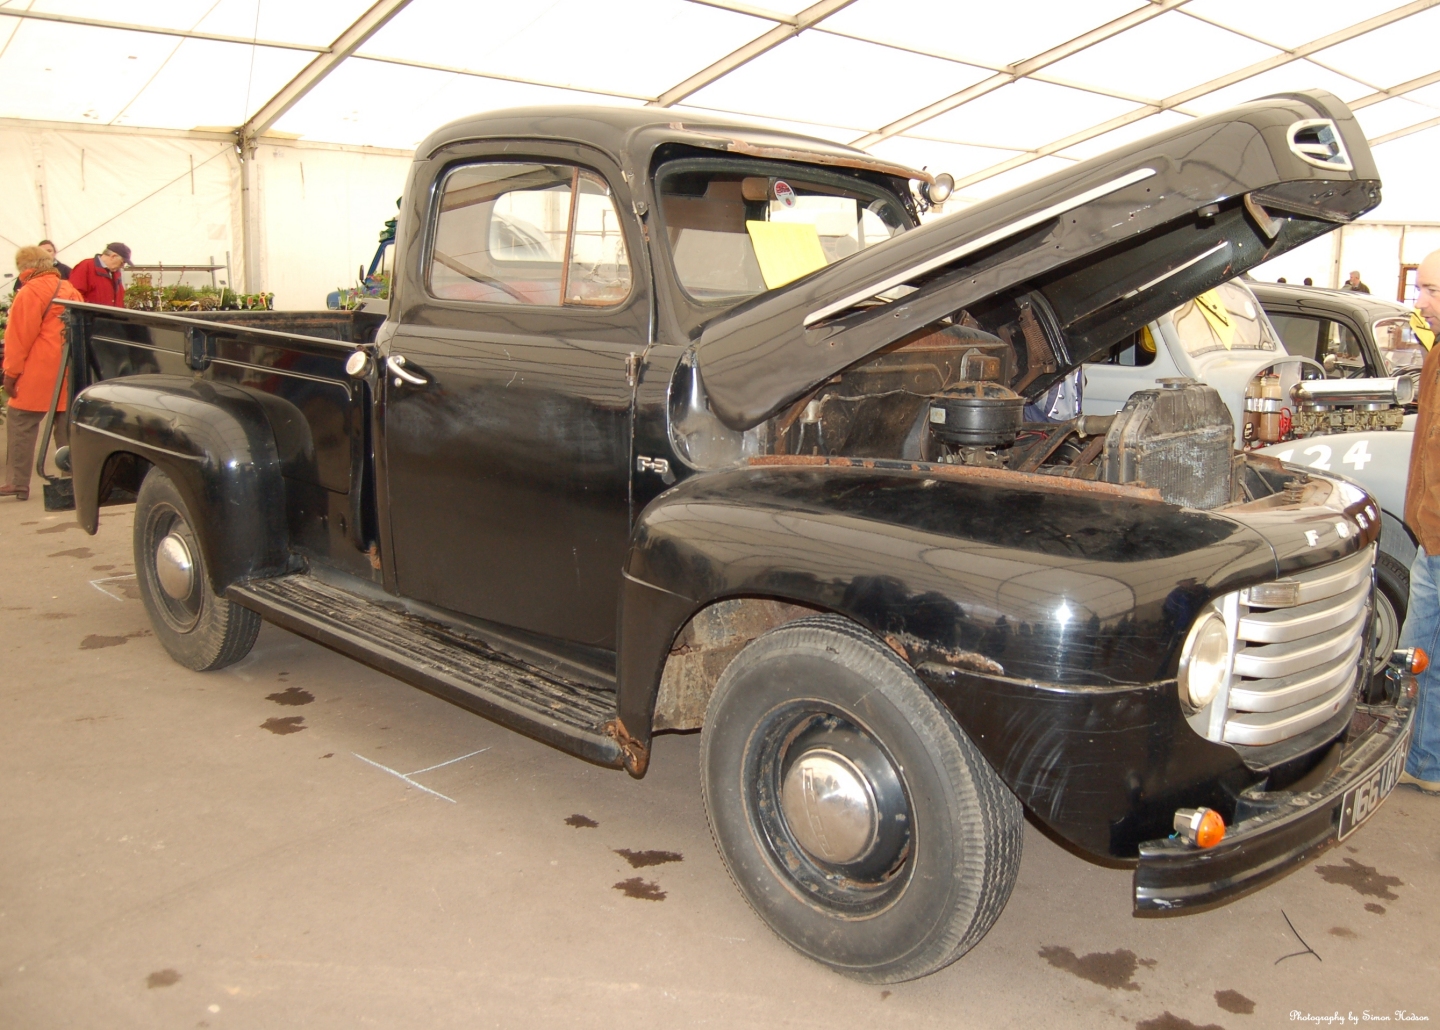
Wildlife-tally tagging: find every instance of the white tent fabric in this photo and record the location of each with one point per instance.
(996, 94)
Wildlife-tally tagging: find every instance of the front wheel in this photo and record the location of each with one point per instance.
(853, 814)
(200, 629)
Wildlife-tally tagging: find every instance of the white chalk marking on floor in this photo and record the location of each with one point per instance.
(392, 772)
(110, 579)
(452, 761)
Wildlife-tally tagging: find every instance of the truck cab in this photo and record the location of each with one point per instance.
(683, 424)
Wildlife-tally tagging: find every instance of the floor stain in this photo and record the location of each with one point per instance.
(280, 727)
(641, 889)
(1363, 879)
(291, 696)
(1370, 906)
(1234, 1001)
(122, 588)
(96, 640)
(74, 552)
(162, 978)
(328, 755)
(581, 822)
(31, 523)
(58, 529)
(884, 995)
(1169, 1021)
(55, 615)
(641, 859)
(1342, 931)
(101, 568)
(1109, 969)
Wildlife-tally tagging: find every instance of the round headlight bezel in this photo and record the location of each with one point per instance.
(1203, 662)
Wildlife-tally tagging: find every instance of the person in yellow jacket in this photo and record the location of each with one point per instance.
(33, 339)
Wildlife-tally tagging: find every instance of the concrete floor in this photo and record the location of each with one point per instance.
(232, 850)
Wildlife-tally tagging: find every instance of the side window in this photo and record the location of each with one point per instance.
(526, 233)
(599, 272)
(1300, 335)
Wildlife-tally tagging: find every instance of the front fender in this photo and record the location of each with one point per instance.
(214, 442)
(1041, 580)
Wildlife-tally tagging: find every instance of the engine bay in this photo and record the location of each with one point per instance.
(960, 393)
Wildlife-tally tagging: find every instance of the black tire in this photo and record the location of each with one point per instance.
(943, 848)
(1392, 601)
(200, 629)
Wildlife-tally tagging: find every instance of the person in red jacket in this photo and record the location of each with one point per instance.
(32, 361)
(98, 279)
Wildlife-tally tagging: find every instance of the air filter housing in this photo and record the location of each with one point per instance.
(1178, 440)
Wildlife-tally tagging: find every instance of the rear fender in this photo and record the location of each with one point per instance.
(215, 443)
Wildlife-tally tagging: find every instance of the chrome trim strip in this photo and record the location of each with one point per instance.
(1279, 694)
(1272, 661)
(955, 253)
(1269, 727)
(1281, 625)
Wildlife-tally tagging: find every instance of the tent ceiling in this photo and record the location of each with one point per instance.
(997, 94)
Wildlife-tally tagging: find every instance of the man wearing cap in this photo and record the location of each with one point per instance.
(1422, 514)
(98, 279)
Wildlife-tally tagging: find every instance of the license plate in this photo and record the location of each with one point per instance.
(1363, 799)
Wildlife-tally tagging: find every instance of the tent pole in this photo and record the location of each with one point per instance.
(250, 225)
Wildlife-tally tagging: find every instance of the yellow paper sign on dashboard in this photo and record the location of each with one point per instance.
(1421, 329)
(1215, 312)
(785, 250)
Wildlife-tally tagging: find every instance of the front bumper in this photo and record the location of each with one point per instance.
(1287, 829)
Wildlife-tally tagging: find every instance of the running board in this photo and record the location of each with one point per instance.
(460, 669)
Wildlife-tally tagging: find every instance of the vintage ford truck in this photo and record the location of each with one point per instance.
(679, 424)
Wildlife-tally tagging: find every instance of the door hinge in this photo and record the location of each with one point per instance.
(632, 368)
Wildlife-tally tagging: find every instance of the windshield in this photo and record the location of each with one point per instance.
(738, 229)
(1400, 348)
(1225, 318)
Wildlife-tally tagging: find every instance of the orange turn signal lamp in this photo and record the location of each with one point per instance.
(1203, 827)
(1413, 660)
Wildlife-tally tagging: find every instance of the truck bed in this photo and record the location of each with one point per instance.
(293, 364)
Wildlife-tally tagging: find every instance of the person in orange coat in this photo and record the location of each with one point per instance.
(32, 361)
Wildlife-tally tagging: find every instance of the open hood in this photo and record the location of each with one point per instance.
(1098, 250)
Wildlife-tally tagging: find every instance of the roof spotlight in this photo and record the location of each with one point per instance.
(937, 192)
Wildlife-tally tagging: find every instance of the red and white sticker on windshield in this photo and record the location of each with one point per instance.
(784, 193)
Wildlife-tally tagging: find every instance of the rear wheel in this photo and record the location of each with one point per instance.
(851, 811)
(200, 629)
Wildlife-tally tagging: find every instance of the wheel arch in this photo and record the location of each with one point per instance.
(215, 444)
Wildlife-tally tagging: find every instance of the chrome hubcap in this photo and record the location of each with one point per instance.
(174, 567)
(830, 806)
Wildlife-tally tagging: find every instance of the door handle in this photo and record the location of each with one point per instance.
(396, 364)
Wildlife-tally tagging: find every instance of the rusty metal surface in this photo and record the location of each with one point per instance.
(1026, 480)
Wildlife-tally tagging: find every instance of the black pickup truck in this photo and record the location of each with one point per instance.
(677, 424)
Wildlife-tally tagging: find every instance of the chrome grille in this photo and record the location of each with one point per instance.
(1297, 666)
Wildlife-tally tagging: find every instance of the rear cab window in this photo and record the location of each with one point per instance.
(509, 232)
(736, 229)
(1227, 318)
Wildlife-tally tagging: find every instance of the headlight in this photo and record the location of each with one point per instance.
(1202, 662)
